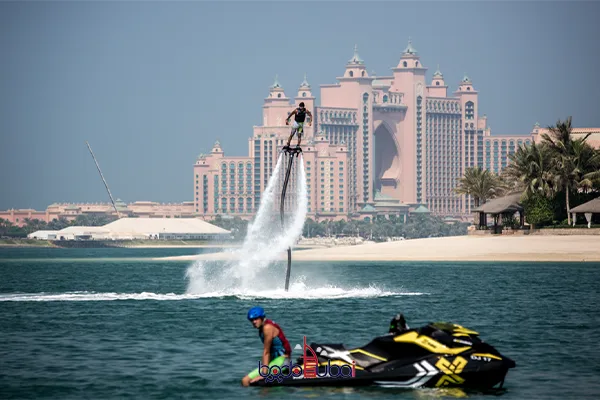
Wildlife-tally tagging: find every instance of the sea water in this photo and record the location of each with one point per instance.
(116, 323)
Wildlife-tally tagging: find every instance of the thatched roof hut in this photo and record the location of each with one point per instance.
(589, 208)
(592, 206)
(502, 205)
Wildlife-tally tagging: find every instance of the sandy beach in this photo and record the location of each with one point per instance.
(456, 248)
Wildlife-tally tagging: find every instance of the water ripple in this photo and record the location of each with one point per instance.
(64, 335)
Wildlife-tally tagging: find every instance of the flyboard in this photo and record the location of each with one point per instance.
(290, 153)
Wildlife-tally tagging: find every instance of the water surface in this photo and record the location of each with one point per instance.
(112, 323)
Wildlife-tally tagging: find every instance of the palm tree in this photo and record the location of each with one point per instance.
(481, 184)
(32, 225)
(587, 163)
(567, 168)
(530, 171)
(5, 226)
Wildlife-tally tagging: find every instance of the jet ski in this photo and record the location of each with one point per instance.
(437, 355)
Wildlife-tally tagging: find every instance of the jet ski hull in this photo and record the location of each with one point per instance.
(425, 373)
(437, 355)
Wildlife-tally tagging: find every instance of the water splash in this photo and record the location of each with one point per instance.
(265, 242)
(297, 291)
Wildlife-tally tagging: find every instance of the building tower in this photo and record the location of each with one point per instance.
(438, 87)
(276, 106)
(409, 82)
(305, 96)
(471, 137)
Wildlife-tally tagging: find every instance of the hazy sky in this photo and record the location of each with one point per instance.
(152, 84)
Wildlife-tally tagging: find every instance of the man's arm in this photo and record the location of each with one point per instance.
(269, 332)
(310, 116)
(290, 116)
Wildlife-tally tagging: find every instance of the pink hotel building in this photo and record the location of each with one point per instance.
(378, 145)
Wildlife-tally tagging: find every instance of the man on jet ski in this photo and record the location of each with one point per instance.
(277, 350)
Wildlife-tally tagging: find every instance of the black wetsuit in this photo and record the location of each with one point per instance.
(300, 114)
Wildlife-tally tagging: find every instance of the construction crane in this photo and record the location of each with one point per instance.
(104, 180)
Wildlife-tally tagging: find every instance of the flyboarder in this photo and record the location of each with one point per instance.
(299, 114)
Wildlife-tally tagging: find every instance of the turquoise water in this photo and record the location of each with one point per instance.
(112, 323)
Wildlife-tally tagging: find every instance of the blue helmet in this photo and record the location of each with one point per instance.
(256, 312)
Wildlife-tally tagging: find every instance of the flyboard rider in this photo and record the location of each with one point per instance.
(299, 114)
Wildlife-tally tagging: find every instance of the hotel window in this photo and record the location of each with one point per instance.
(469, 110)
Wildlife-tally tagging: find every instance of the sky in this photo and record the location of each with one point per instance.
(152, 84)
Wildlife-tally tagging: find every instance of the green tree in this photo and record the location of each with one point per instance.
(481, 184)
(570, 158)
(5, 227)
(58, 224)
(32, 225)
(538, 209)
(530, 170)
(236, 225)
(587, 164)
(94, 219)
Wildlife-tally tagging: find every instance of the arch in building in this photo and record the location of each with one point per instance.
(387, 157)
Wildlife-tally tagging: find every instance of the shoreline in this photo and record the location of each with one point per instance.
(48, 244)
(546, 248)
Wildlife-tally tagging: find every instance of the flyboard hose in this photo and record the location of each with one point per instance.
(290, 154)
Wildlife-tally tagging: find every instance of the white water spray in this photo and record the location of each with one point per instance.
(326, 292)
(265, 242)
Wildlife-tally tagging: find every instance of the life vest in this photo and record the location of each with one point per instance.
(280, 345)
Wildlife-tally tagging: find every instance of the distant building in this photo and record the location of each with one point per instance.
(498, 148)
(42, 235)
(140, 228)
(374, 138)
(70, 211)
(379, 146)
(593, 140)
(19, 216)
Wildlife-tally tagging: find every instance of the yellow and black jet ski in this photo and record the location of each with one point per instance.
(435, 355)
